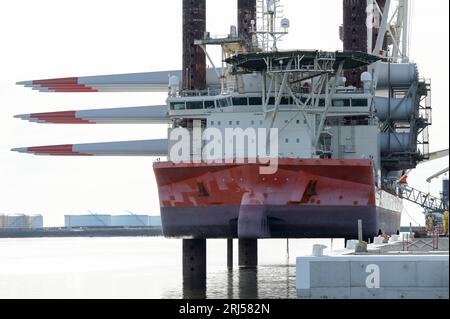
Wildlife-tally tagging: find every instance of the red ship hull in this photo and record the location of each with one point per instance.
(310, 198)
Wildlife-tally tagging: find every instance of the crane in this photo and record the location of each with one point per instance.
(432, 157)
(420, 198)
(442, 172)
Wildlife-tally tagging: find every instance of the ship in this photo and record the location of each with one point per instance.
(338, 130)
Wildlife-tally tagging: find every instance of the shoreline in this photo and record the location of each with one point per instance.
(59, 232)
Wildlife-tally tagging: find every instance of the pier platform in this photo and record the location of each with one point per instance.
(413, 269)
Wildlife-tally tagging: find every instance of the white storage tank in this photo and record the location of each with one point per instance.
(397, 75)
(130, 221)
(400, 109)
(35, 221)
(395, 142)
(155, 221)
(16, 221)
(87, 220)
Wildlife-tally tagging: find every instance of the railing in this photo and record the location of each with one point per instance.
(194, 93)
(432, 243)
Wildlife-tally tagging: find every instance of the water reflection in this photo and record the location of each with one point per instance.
(248, 283)
(230, 285)
(194, 287)
(193, 293)
(136, 268)
(241, 283)
(264, 282)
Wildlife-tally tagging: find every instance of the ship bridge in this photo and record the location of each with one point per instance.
(300, 93)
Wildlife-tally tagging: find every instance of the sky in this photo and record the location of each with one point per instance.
(53, 38)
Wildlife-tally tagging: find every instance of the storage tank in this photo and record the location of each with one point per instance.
(397, 75)
(400, 109)
(395, 142)
(155, 221)
(87, 220)
(35, 221)
(16, 221)
(130, 221)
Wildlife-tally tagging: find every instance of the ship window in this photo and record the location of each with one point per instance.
(298, 140)
(341, 103)
(272, 101)
(253, 123)
(212, 123)
(298, 121)
(219, 123)
(240, 101)
(360, 103)
(286, 140)
(230, 123)
(255, 101)
(177, 106)
(210, 105)
(322, 103)
(197, 105)
(238, 123)
(223, 103)
(261, 122)
(286, 121)
(284, 101)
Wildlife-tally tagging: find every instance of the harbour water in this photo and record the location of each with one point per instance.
(142, 268)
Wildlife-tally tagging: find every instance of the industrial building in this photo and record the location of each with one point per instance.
(154, 221)
(130, 221)
(21, 221)
(99, 221)
(91, 220)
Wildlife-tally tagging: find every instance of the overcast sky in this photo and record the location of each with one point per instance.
(53, 38)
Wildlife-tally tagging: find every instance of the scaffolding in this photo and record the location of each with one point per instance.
(270, 25)
(285, 74)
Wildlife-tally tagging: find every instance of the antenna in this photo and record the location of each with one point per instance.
(270, 25)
